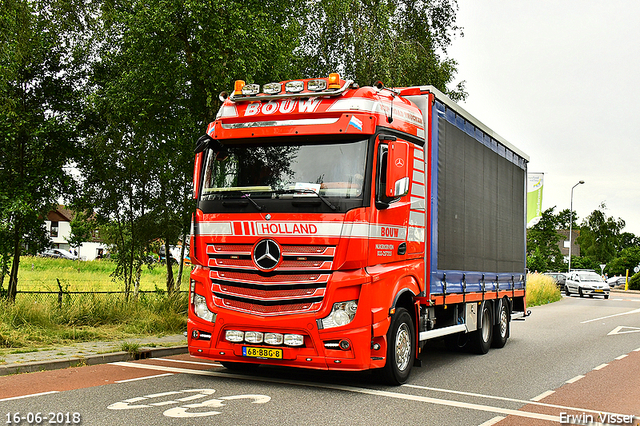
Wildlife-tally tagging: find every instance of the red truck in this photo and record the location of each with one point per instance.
(341, 227)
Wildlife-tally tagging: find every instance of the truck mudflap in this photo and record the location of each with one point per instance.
(335, 350)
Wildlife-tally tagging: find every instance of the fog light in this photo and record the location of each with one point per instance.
(317, 85)
(253, 337)
(293, 340)
(273, 338)
(344, 345)
(272, 88)
(234, 336)
(294, 86)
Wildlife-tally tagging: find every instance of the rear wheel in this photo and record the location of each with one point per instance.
(501, 329)
(481, 338)
(401, 348)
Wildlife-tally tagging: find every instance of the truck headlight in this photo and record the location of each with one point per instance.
(342, 313)
(201, 309)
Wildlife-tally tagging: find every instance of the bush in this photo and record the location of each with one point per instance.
(634, 282)
(541, 290)
(28, 323)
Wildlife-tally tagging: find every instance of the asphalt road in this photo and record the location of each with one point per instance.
(577, 357)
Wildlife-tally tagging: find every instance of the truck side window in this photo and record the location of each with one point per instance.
(382, 201)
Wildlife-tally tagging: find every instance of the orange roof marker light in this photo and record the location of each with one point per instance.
(237, 87)
(334, 80)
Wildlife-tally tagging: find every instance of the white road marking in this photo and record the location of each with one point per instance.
(600, 367)
(28, 396)
(618, 330)
(493, 421)
(502, 398)
(621, 357)
(144, 378)
(388, 394)
(575, 379)
(635, 311)
(211, 364)
(543, 395)
(637, 350)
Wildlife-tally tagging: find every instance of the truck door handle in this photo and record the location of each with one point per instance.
(402, 249)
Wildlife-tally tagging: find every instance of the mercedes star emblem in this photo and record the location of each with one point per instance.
(266, 255)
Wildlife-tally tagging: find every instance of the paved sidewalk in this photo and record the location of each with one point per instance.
(91, 353)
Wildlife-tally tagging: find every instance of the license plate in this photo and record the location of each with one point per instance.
(598, 291)
(269, 353)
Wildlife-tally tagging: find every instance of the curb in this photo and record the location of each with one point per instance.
(58, 364)
(625, 291)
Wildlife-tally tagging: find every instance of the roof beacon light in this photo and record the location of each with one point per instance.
(317, 85)
(237, 87)
(272, 88)
(334, 80)
(294, 86)
(251, 89)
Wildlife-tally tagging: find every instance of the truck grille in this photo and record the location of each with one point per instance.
(297, 285)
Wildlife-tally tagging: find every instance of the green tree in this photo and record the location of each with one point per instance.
(600, 235)
(543, 252)
(400, 42)
(160, 66)
(39, 104)
(628, 259)
(563, 219)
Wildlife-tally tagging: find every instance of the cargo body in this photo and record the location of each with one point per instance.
(342, 228)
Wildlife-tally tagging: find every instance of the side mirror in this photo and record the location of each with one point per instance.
(397, 169)
(203, 143)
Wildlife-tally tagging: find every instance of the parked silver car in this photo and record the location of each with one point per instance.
(616, 282)
(586, 284)
(59, 254)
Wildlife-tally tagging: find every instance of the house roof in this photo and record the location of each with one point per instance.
(60, 214)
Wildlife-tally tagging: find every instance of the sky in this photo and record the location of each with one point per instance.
(560, 79)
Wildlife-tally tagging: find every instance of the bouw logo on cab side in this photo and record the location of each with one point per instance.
(389, 232)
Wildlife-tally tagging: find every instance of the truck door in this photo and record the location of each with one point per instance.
(390, 216)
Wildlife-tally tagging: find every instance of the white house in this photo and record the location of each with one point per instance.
(58, 224)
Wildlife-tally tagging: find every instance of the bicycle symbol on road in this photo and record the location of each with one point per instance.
(190, 409)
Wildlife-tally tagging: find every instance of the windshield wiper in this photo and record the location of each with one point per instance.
(246, 196)
(306, 191)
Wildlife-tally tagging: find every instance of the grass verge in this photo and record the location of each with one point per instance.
(541, 290)
(28, 325)
(41, 274)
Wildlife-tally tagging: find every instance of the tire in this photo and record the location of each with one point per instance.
(567, 291)
(501, 328)
(401, 348)
(481, 338)
(606, 296)
(580, 292)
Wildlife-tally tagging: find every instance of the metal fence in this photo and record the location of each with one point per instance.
(63, 296)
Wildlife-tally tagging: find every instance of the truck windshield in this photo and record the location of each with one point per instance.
(271, 171)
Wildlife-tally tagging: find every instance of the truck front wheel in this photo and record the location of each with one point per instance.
(401, 348)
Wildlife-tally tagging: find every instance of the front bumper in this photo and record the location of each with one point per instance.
(594, 291)
(320, 351)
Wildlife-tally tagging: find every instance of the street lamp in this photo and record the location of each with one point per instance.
(571, 222)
